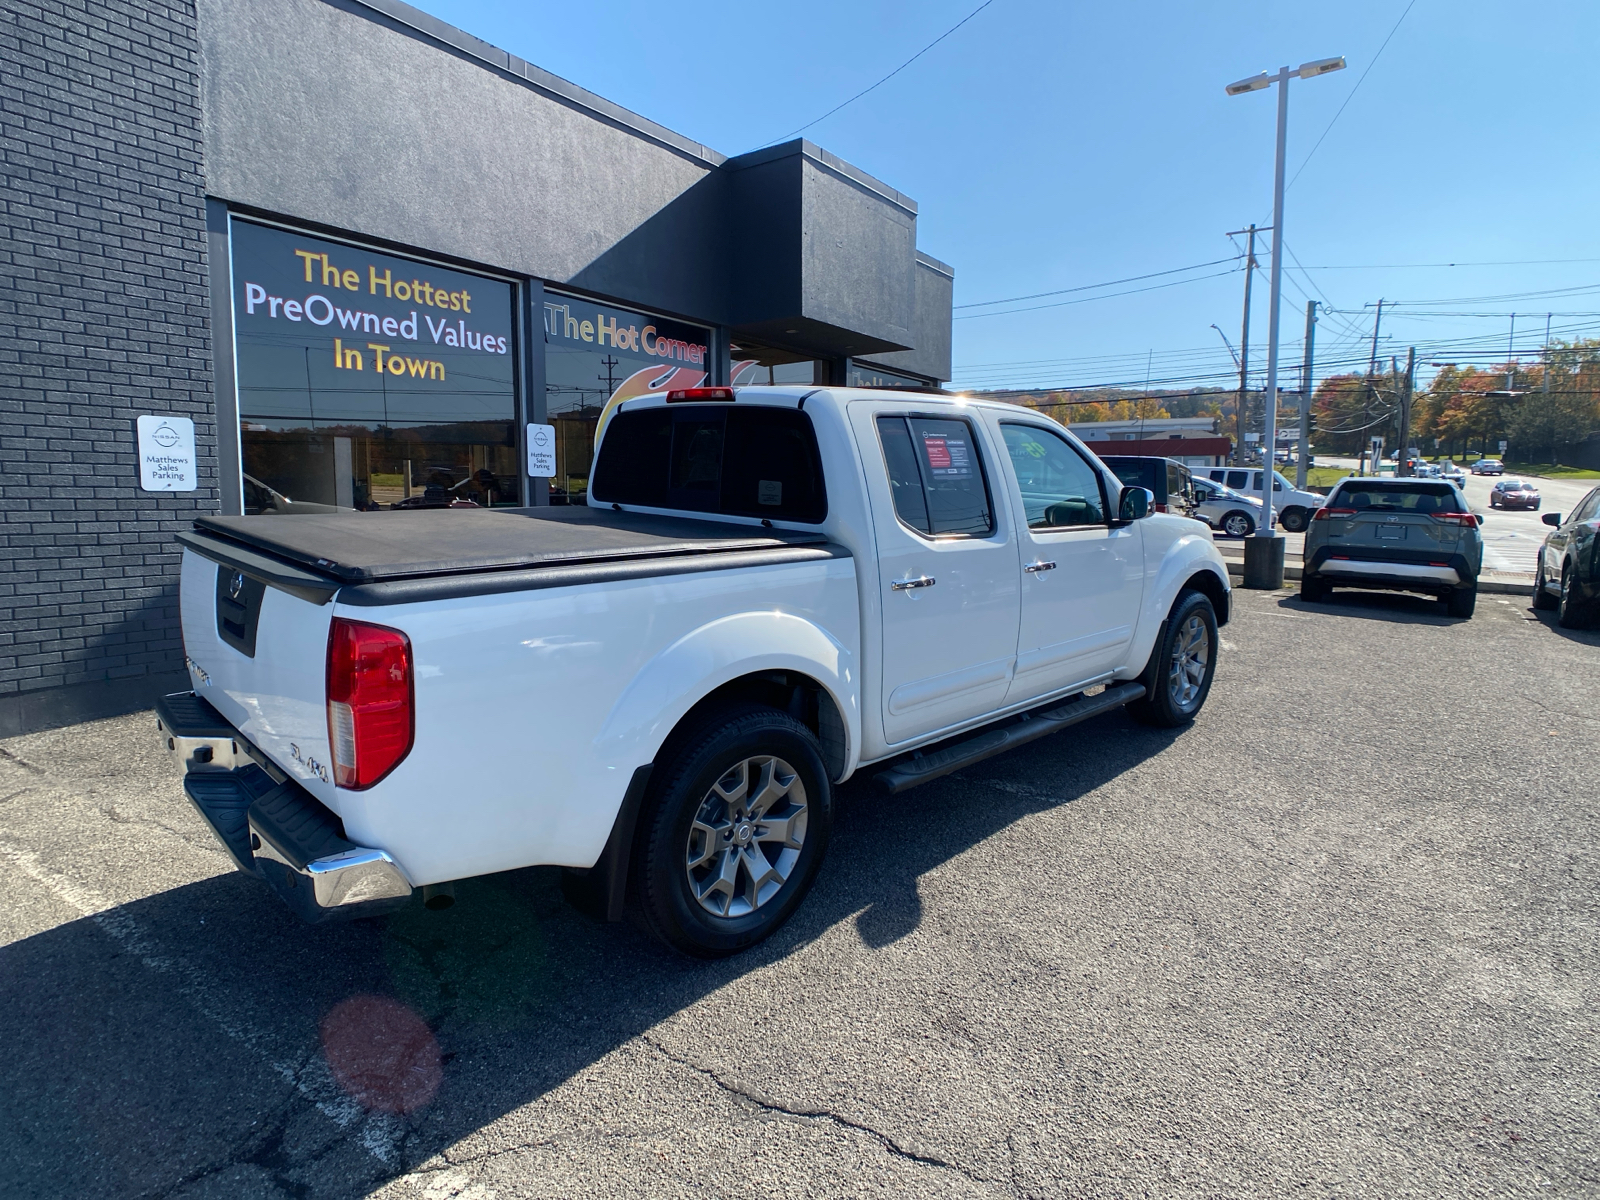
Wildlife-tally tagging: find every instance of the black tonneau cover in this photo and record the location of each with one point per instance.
(360, 548)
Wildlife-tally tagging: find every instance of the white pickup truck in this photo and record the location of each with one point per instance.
(770, 590)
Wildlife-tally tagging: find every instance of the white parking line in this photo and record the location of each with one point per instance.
(307, 1074)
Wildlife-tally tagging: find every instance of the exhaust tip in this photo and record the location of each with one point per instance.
(436, 897)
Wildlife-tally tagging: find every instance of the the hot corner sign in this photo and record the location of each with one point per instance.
(166, 454)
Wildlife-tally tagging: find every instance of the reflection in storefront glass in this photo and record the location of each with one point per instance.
(368, 381)
(865, 375)
(596, 357)
(754, 365)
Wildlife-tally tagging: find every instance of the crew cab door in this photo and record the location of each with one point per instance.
(1082, 577)
(947, 567)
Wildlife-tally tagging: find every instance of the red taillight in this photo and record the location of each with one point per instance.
(1159, 507)
(701, 393)
(1328, 514)
(371, 714)
(1457, 518)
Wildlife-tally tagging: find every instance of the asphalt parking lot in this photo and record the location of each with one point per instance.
(1338, 938)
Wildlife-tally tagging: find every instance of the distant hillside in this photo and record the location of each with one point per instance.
(1110, 404)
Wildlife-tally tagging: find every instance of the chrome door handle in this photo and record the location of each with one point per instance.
(905, 585)
(1040, 566)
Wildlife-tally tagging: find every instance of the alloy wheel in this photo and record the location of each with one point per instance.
(1191, 654)
(746, 836)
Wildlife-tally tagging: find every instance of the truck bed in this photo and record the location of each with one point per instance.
(430, 553)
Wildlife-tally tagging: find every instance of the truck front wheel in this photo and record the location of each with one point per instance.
(735, 832)
(1178, 676)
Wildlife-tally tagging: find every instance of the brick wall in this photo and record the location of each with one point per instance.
(103, 316)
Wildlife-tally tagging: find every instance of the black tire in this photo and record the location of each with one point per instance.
(692, 781)
(1542, 599)
(1462, 601)
(1238, 524)
(1313, 590)
(1293, 520)
(1169, 701)
(1570, 613)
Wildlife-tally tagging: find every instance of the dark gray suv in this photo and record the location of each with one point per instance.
(1405, 535)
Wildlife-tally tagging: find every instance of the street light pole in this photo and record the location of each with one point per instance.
(1263, 552)
(1269, 430)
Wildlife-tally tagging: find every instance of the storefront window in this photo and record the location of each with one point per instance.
(368, 381)
(767, 365)
(596, 357)
(865, 375)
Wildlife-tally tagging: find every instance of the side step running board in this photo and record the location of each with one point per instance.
(909, 772)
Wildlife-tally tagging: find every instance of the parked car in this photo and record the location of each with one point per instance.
(1488, 466)
(770, 590)
(1222, 508)
(1424, 470)
(1291, 507)
(1452, 473)
(1409, 535)
(1567, 577)
(1167, 479)
(1514, 493)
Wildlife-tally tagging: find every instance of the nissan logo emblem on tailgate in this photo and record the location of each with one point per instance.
(236, 585)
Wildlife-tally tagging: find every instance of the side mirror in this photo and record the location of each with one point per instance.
(1135, 503)
(1551, 518)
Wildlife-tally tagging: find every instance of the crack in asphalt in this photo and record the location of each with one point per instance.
(1560, 712)
(771, 1104)
(8, 756)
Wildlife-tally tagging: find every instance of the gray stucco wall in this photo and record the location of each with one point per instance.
(332, 114)
(374, 119)
(930, 334)
(103, 316)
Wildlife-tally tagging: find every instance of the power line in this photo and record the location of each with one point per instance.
(886, 78)
(1089, 287)
(1507, 262)
(1354, 90)
(1088, 299)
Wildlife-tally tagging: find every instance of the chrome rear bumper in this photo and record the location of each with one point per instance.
(270, 825)
(1393, 570)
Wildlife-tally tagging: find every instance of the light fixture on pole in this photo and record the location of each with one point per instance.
(1263, 552)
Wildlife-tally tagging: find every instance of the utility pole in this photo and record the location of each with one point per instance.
(1244, 338)
(1547, 317)
(1511, 349)
(1305, 397)
(1372, 373)
(1403, 465)
(610, 363)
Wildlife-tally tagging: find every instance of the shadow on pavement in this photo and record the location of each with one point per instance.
(1398, 608)
(1584, 637)
(167, 1041)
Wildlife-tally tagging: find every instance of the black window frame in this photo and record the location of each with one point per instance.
(908, 415)
(1106, 520)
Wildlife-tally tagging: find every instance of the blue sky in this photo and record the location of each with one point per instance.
(1055, 145)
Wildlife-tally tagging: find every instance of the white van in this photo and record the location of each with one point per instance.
(1292, 508)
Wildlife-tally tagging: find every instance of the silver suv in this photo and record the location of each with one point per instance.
(1406, 535)
(1220, 507)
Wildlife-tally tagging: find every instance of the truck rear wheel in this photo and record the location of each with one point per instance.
(1294, 520)
(1177, 679)
(734, 834)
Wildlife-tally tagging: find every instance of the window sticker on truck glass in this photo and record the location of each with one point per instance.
(940, 491)
(948, 456)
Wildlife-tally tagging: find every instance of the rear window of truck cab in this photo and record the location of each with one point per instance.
(749, 461)
(1391, 497)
